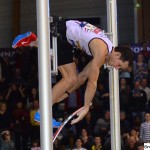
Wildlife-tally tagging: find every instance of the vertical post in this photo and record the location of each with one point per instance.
(44, 67)
(54, 55)
(114, 79)
(135, 22)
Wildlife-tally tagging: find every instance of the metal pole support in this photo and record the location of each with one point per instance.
(114, 78)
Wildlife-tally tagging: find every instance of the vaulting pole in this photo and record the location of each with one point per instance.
(44, 69)
(114, 78)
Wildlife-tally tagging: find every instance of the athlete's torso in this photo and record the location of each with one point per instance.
(79, 34)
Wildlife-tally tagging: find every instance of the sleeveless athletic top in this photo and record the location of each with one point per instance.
(79, 34)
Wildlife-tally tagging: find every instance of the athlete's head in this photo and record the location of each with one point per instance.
(121, 57)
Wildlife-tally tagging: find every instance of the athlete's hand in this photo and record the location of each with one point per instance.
(80, 115)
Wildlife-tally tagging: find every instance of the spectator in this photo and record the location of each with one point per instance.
(145, 52)
(97, 143)
(79, 144)
(33, 95)
(124, 124)
(87, 140)
(124, 92)
(135, 133)
(136, 122)
(131, 143)
(6, 142)
(101, 98)
(68, 127)
(5, 73)
(140, 69)
(21, 126)
(68, 133)
(17, 78)
(24, 60)
(126, 74)
(138, 100)
(5, 117)
(145, 88)
(35, 145)
(35, 126)
(33, 80)
(124, 127)
(87, 123)
(145, 129)
(57, 144)
(15, 94)
(102, 125)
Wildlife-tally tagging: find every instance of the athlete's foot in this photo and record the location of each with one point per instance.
(55, 123)
(24, 39)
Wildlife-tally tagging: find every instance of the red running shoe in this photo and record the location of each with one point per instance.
(24, 39)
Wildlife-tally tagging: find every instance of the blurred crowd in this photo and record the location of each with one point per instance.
(19, 100)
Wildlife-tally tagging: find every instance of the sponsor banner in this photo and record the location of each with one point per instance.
(7, 52)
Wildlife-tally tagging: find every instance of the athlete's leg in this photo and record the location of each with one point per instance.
(81, 78)
(69, 78)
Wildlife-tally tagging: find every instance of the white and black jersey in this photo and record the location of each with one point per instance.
(79, 34)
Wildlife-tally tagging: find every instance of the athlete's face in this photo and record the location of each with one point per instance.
(116, 62)
(119, 64)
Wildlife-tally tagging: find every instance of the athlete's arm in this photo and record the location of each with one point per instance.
(99, 50)
(93, 73)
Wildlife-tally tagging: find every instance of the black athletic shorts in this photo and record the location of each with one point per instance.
(64, 48)
(64, 51)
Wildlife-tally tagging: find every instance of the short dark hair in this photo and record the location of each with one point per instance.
(79, 138)
(97, 135)
(126, 54)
